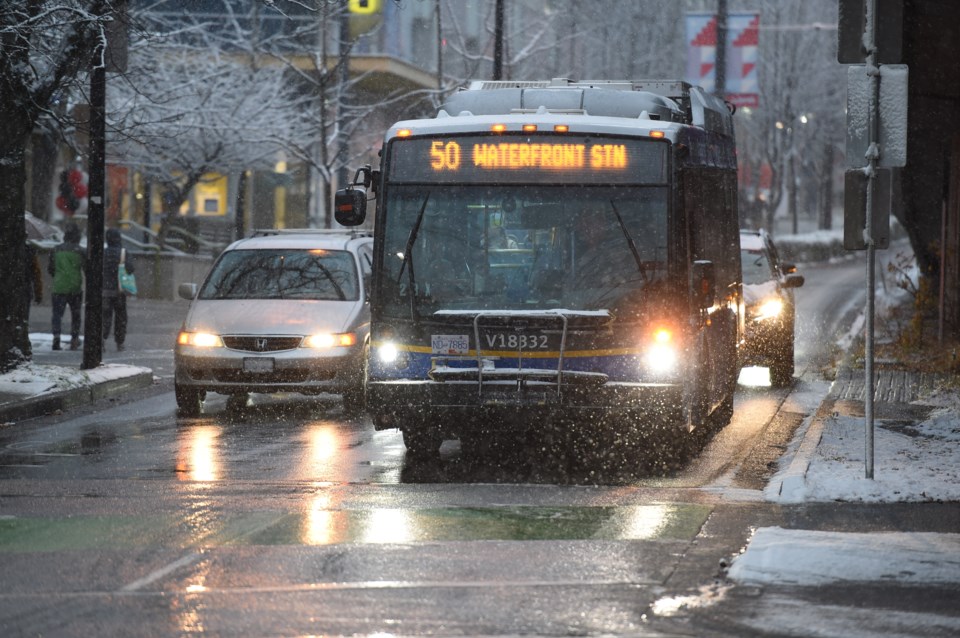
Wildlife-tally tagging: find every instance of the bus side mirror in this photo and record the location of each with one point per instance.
(350, 206)
(703, 283)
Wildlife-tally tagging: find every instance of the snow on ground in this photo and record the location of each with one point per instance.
(805, 557)
(31, 379)
(913, 462)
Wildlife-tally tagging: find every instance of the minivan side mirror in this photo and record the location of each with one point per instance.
(703, 283)
(793, 280)
(350, 206)
(187, 291)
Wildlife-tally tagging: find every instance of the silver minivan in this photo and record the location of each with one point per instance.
(281, 311)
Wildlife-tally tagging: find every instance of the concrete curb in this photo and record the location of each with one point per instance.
(792, 480)
(43, 404)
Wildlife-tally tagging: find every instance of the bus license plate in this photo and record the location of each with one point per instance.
(450, 344)
(258, 365)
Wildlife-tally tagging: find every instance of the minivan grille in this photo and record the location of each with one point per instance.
(261, 343)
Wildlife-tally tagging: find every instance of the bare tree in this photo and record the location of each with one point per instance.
(197, 99)
(44, 46)
(801, 106)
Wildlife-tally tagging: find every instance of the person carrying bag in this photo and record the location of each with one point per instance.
(118, 283)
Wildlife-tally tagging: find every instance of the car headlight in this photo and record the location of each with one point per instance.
(200, 339)
(328, 340)
(660, 357)
(768, 309)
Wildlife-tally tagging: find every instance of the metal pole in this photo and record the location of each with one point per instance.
(344, 144)
(498, 41)
(873, 154)
(93, 306)
(720, 57)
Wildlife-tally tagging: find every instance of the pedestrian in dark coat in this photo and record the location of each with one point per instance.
(67, 264)
(114, 298)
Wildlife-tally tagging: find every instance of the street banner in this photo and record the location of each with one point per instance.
(741, 55)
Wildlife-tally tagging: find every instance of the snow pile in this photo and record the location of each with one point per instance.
(807, 557)
(30, 379)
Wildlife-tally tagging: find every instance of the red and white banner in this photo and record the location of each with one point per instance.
(741, 55)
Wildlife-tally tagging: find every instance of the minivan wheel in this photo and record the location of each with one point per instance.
(189, 400)
(781, 372)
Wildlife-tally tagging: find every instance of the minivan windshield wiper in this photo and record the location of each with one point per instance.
(407, 263)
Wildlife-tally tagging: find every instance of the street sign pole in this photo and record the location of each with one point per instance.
(872, 154)
(870, 35)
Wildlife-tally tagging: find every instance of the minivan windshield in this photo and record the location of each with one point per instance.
(312, 274)
(756, 268)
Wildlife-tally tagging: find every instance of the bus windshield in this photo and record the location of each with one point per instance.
(513, 247)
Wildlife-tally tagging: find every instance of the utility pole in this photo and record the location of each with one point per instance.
(93, 304)
(720, 57)
(343, 150)
(498, 41)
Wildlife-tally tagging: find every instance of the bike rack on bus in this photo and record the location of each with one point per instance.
(520, 375)
(514, 319)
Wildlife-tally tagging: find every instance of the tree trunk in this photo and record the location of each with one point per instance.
(826, 189)
(43, 169)
(14, 331)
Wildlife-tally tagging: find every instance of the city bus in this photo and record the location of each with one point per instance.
(554, 261)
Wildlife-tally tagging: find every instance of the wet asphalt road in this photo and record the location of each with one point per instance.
(286, 518)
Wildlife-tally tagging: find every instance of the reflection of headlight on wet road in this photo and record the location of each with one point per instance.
(769, 309)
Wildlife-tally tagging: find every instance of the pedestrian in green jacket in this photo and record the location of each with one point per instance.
(67, 265)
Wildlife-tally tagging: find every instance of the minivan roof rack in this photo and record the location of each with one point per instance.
(353, 232)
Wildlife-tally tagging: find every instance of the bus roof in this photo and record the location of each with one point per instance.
(634, 107)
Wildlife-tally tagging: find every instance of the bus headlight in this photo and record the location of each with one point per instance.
(200, 340)
(660, 357)
(391, 356)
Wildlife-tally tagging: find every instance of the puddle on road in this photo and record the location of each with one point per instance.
(322, 526)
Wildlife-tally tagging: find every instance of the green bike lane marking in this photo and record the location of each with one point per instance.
(332, 526)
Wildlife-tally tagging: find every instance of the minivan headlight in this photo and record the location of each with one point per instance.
(768, 309)
(328, 340)
(200, 339)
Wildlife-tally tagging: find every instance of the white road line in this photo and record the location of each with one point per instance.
(160, 573)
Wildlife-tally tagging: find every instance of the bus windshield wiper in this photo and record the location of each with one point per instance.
(408, 259)
(630, 242)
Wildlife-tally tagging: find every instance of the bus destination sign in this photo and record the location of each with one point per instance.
(523, 158)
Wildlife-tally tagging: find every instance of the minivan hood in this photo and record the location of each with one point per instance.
(273, 316)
